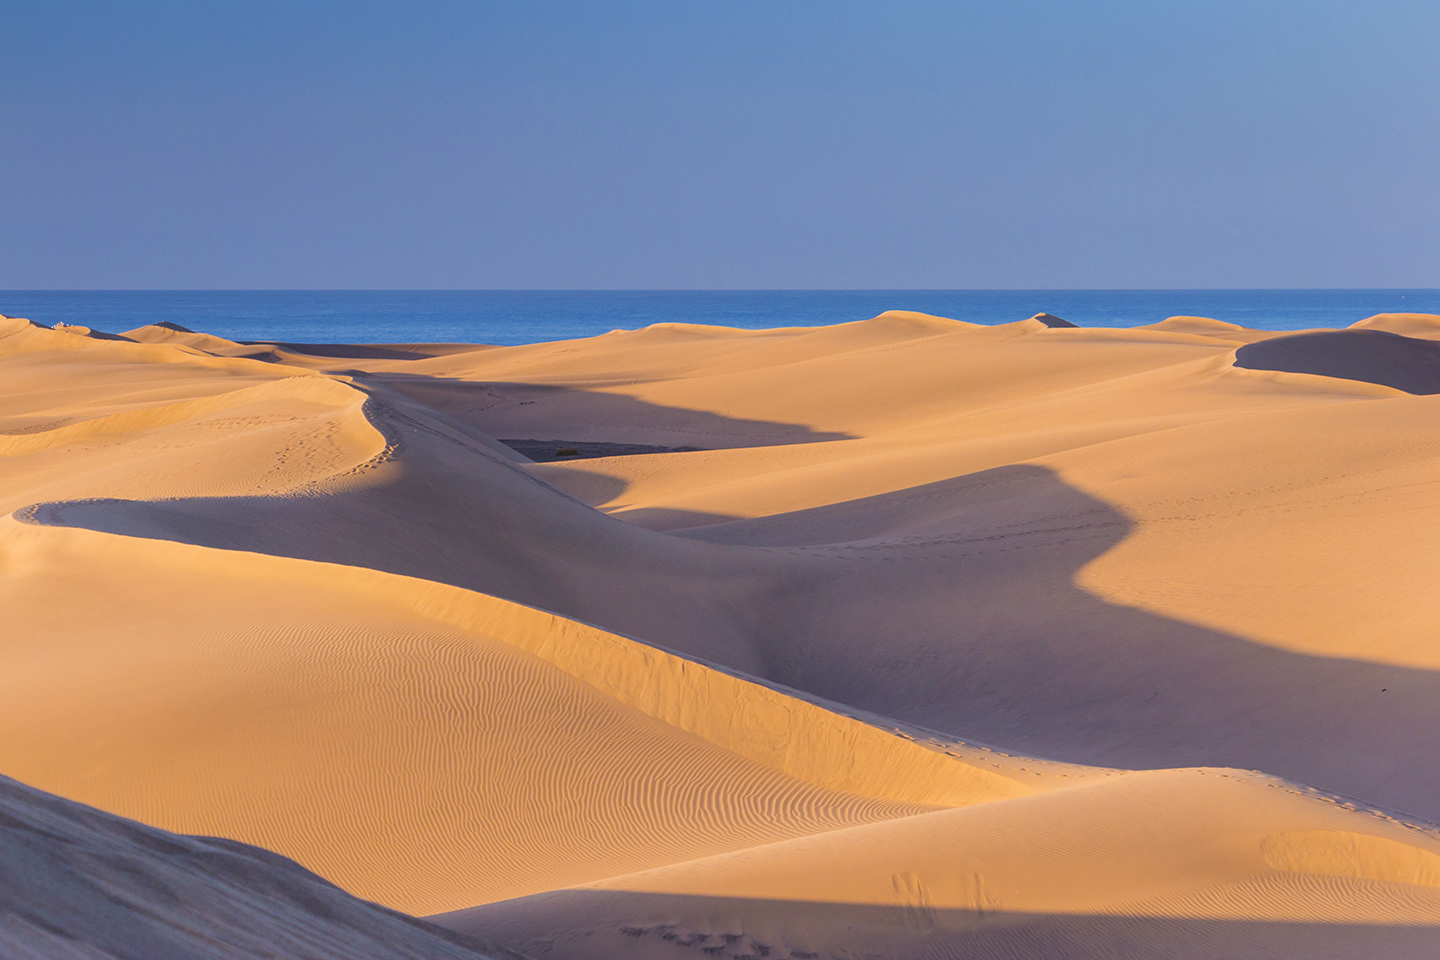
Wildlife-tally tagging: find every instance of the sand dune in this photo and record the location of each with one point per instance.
(1423, 325)
(79, 884)
(1038, 877)
(787, 690)
(419, 757)
(1206, 327)
(1371, 355)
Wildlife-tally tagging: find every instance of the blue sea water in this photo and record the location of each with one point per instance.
(532, 316)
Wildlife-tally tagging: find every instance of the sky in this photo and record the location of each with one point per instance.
(719, 145)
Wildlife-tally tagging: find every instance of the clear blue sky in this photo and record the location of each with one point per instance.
(730, 144)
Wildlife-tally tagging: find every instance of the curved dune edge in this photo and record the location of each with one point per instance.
(758, 722)
(413, 763)
(1422, 325)
(1368, 354)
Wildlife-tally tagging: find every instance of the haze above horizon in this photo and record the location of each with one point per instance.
(719, 146)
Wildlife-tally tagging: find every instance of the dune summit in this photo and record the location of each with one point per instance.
(904, 638)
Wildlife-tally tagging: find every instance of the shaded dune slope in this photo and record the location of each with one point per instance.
(82, 884)
(670, 926)
(1374, 356)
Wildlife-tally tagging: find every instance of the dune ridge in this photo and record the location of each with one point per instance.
(412, 761)
(1422, 325)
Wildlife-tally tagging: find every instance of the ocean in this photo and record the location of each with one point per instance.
(532, 316)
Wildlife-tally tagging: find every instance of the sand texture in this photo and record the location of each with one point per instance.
(899, 638)
(79, 884)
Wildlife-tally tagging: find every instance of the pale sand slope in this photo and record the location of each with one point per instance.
(78, 884)
(431, 747)
(1177, 863)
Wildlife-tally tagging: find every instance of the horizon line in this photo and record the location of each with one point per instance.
(719, 290)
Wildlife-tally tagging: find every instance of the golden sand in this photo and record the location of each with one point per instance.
(786, 693)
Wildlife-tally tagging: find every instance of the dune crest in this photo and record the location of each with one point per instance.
(1050, 320)
(1207, 327)
(803, 739)
(1425, 326)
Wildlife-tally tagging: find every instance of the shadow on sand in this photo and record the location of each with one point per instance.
(952, 606)
(580, 416)
(1372, 356)
(657, 926)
